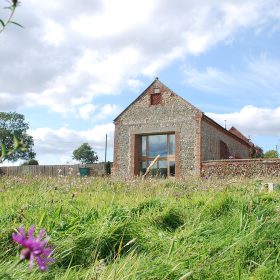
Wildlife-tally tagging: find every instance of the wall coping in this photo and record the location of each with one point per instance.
(264, 160)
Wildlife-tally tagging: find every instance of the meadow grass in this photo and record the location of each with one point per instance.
(154, 229)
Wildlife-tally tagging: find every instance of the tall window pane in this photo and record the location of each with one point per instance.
(157, 145)
(143, 145)
(171, 144)
(172, 168)
(153, 171)
(162, 168)
(143, 167)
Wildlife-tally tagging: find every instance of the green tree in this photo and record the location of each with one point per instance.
(85, 154)
(257, 152)
(271, 154)
(13, 126)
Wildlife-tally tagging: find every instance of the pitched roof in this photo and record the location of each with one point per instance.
(236, 132)
(228, 132)
(145, 91)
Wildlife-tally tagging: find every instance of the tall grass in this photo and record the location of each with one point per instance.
(156, 229)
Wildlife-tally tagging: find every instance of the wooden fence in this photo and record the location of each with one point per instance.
(96, 169)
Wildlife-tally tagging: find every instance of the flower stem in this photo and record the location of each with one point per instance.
(12, 8)
(17, 263)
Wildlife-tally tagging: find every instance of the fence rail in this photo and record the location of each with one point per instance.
(96, 169)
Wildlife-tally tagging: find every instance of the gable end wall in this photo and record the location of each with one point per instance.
(172, 115)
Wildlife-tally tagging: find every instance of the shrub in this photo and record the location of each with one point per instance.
(31, 162)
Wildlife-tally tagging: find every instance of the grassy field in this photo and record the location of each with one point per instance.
(104, 229)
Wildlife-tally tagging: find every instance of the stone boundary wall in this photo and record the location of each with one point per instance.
(96, 169)
(241, 167)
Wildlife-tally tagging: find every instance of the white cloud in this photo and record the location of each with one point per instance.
(92, 75)
(53, 33)
(107, 110)
(211, 80)
(134, 84)
(117, 17)
(72, 51)
(86, 110)
(52, 145)
(261, 75)
(8, 101)
(264, 73)
(251, 120)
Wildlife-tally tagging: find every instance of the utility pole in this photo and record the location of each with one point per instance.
(105, 155)
(225, 124)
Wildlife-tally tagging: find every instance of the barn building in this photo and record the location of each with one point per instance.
(160, 122)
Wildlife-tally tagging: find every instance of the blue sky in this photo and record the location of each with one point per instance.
(77, 64)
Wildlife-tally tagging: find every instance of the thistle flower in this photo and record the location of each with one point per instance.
(34, 248)
(15, 3)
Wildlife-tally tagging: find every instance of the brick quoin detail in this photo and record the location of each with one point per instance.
(116, 147)
(134, 155)
(177, 155)
(198, 158)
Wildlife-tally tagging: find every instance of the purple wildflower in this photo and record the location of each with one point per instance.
(34, 248)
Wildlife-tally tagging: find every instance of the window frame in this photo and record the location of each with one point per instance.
(168, 158)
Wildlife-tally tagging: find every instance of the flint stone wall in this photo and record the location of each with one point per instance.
(241, 167)
(210, 143)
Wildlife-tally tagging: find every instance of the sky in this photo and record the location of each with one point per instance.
(77, 64)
